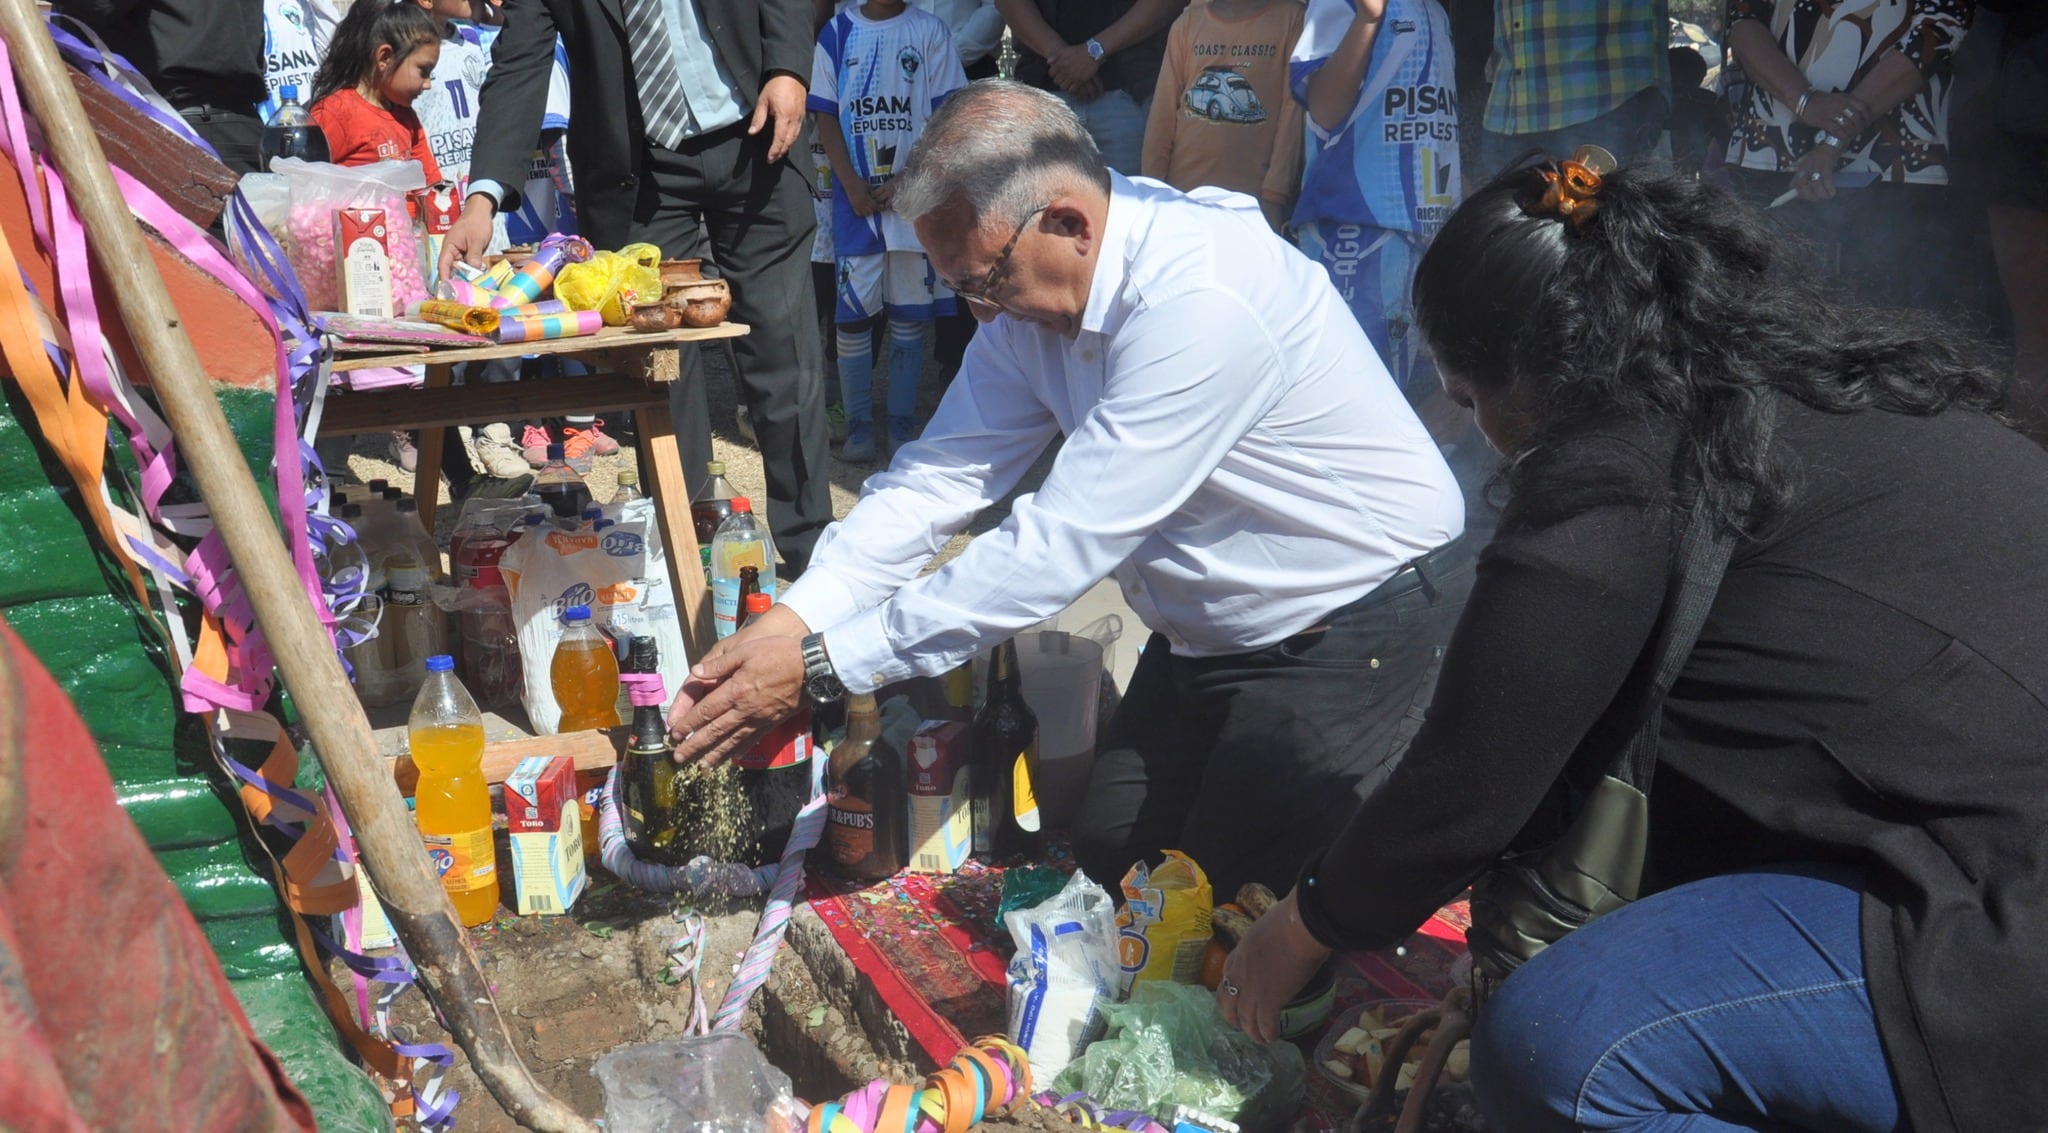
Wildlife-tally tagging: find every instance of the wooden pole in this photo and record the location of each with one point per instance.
(412, 894)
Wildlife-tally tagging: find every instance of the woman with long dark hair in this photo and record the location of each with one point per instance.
(1846, 910)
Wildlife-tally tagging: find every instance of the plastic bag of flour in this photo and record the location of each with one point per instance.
(620, 573)
(1065, 965)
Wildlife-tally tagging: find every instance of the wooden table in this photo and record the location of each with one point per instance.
(633, 372)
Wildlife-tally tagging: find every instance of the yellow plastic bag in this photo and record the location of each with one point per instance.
(1164, 926)
(612, 283)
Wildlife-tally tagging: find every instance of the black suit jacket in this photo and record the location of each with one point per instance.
(755, 39)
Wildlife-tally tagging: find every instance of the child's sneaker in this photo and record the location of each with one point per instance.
(497, 455)
(533, 446)
(902, 431)
(403, 453)
(860, 442)
(581, 444)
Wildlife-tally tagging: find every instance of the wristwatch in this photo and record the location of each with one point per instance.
(1095, 50)
(821, 680)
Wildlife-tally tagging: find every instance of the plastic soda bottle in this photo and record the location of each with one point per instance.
(561, 487)
(741, 542)
(454, 803)
(710, 508)
(628, 491)
(290, 132)
(584, 675)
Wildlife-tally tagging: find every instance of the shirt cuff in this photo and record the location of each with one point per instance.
(861, 655)
(489, 188)
(822, 601)
(1308, 901)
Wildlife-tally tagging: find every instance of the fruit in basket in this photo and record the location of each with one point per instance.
(1213, 960)
(1255, 899)
(1229, 923)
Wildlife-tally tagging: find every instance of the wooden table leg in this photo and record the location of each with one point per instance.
(664, 466)
(426, 477)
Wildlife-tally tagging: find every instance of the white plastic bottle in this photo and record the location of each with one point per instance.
(742, 541)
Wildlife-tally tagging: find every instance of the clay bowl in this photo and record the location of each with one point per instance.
(516, 255)
(655, 316)
(674, 272)
(703, 303)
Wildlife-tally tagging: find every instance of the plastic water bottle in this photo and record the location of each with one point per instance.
(454, 803)
(290, 132)
(628, 491)
(741, 542)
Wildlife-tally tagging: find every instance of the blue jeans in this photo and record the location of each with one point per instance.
(1737, 1002)
(1628, 131)
(1117, 123)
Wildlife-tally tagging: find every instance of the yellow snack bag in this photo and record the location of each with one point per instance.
(1163, 929)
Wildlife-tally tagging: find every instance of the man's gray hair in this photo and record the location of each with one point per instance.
(1002, 149)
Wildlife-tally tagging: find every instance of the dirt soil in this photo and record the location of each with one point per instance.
(574, 987)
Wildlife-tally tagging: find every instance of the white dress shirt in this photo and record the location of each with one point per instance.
(1236, 455)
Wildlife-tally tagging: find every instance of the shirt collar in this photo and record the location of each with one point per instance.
(1112, 263)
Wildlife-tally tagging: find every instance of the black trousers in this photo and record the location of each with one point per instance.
(237, 135)
(720, 199)
(1250, 763)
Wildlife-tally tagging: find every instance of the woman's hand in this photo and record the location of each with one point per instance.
(1837, 112)
(1813, 179)
(1266, 970)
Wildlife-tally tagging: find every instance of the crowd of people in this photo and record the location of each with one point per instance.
(1248, 261)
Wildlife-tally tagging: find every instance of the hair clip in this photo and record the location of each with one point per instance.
(1571, 188)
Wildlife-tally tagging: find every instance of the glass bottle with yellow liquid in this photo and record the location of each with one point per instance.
(454, 803)
(584, 675)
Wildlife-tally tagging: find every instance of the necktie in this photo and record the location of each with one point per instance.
(662, 105)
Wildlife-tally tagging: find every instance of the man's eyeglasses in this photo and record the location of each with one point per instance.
(980, 296)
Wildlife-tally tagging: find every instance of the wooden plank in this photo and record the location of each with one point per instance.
(379, 410)
(610, 341)
(592, 751)
(662, 460)
(188, 178)
(426, 480)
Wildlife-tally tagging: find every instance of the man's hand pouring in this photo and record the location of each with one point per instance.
(745, 685)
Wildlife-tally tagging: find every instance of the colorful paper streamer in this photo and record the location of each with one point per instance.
(571, 325)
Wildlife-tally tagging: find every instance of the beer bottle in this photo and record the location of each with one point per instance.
(647, 773)
(1004, 802)
(750, 585)
(866, 829)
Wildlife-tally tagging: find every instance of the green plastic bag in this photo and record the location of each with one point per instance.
(1168, 1046)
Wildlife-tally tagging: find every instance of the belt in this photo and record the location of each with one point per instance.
(1420, 573)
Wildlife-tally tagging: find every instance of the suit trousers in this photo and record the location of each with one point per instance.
(1251, 763)
(718, 198)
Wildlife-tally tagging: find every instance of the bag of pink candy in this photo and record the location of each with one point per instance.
(319, 190)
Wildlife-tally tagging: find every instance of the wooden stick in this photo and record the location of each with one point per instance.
(419, 909)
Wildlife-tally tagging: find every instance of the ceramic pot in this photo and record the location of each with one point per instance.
(703, 303)
(674, 272)
(655, 316)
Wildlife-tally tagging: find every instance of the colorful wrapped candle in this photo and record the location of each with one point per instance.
(495, 276)
(570, 325)
(536, 310)
(575, 249)
(456, 316)
(536, 275)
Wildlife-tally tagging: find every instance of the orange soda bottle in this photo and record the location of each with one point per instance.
(584, 675)
(454, 803)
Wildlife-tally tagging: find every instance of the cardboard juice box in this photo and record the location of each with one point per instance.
(547, 834)
(362, 249)
(941, 823)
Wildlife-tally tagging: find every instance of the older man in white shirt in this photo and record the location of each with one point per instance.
(1236, 455)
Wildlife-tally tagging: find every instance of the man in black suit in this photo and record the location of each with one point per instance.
(685, 110)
